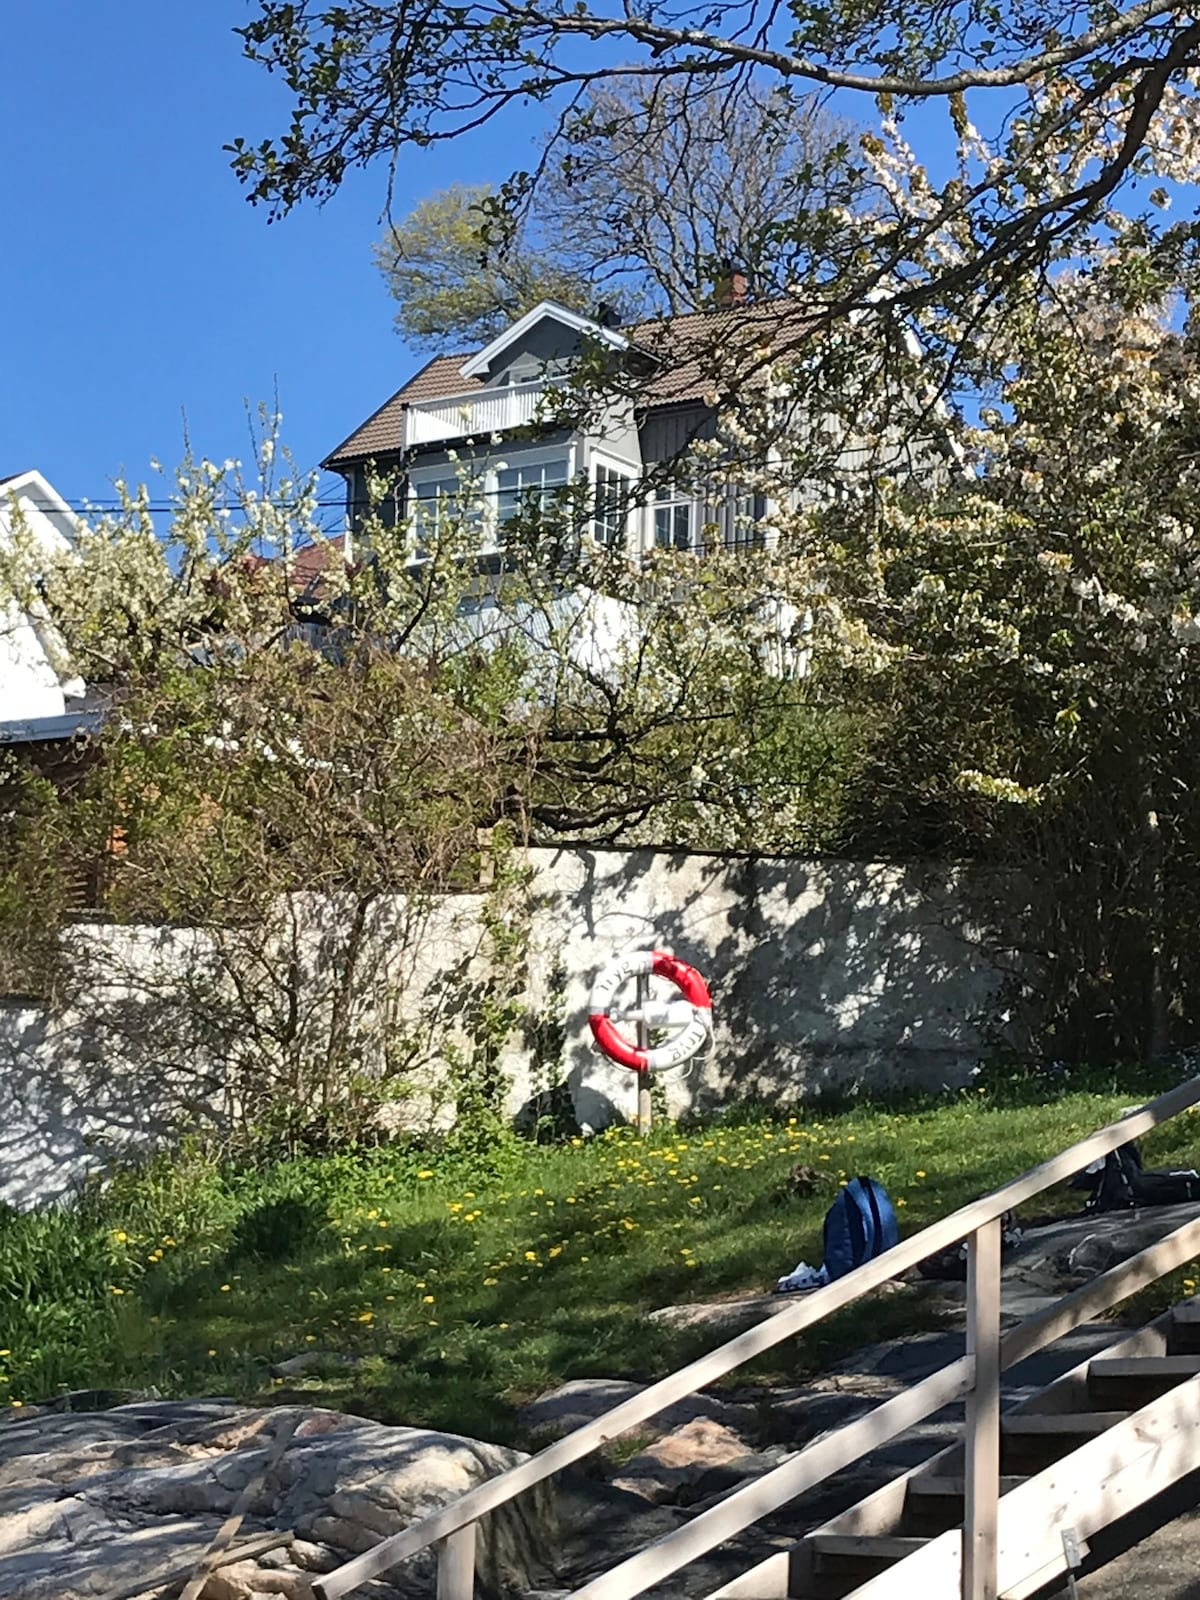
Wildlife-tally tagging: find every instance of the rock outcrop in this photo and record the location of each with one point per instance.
(92, 1503)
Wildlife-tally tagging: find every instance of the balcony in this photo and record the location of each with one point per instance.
(478, 412)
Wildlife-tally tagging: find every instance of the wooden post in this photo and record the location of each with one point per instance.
(645, 1112)
(456, 1565)
(982, 1444)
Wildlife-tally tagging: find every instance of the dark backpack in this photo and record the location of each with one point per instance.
(1122, 1183)
(859, 1225)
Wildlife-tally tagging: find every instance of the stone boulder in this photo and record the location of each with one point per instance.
(89, 1504)
(666, 1470)
(568, 1407)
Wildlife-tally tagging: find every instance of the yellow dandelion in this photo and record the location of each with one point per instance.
(427, 1299)
(425, 1173)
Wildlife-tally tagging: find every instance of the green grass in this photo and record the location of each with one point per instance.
(468, 1283)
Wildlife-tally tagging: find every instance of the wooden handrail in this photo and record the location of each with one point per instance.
(941, 1235)
(833, 1451)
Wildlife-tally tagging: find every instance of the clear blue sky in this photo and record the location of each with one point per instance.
(136, 281)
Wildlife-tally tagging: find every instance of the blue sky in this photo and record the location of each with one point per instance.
(136, 281)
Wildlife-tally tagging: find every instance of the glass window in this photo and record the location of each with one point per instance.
(528, 485)
(676, 520)
(611, 506)
(436, 504)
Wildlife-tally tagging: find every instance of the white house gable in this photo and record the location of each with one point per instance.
(34, 681)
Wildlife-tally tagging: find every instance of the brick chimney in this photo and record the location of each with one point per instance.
(732, 287)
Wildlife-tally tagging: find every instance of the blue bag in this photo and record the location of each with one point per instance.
(859, 1225)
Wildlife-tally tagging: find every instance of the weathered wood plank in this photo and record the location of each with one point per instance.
(864, 1547)
(1105, 1478)
(981, 1448)
(456, 1565)
(1064, 1423)
(1117, 1369)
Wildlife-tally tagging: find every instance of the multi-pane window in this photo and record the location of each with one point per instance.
(611, 506)
(528, 485)
(677, 519)
(436, 504)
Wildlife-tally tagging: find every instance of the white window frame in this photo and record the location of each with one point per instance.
(484, 477)
(670, 497)
(525, 458)
(600, 462)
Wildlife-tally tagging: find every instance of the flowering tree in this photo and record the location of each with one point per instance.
(1054, 119)
(1033, 633)
(291, 785)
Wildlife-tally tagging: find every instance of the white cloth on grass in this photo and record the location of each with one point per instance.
(802, 1276)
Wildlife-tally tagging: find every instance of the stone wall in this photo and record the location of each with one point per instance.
(825, 975)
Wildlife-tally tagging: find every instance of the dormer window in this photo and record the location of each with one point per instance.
(529, 369)
(525, 369)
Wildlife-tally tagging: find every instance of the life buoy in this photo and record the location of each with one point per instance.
(691, 1016)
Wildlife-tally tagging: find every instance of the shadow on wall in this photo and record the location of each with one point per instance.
(826, 975)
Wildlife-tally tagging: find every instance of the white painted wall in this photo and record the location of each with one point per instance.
(31, 682)
(826, 975)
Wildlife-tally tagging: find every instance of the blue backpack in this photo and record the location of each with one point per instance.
(859, 1225)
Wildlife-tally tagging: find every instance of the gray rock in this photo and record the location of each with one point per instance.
(314, 1361)
(89, 1504)
(732, 1316)
(671, 1469)
(583, 1399)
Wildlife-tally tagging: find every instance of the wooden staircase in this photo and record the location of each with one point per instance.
(989, 1518)
(1101, 1441)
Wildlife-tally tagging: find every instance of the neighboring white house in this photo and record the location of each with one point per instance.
(39, 698)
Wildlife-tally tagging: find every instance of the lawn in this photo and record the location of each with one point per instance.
(467, 1281)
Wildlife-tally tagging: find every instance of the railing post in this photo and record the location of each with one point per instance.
(645, 1107)
(456, 1565)
(982, 1442)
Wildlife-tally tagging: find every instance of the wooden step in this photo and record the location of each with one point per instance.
(1157, 1368)
(865, 1546)
(937, 1488)
(1066, 1424)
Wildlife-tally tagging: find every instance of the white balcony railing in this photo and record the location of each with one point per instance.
(466, 416)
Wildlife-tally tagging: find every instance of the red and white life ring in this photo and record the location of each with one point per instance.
(691, 1016)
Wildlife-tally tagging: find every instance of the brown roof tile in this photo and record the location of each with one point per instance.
(695, 352)
(700, 352)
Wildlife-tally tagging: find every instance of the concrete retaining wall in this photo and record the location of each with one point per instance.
(825, 975)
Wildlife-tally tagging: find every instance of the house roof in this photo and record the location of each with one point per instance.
(690, 353)
(380, 434)
(699, 352)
